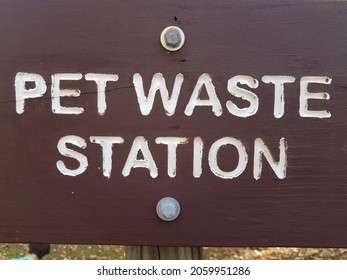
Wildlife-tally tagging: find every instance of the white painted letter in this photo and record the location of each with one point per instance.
(278, 82)
(251, 97)
(158, 83)
(23, 93)
(57, 93)
(204, 80)
(140, 144)
(171, 143)
(279, 167)
(101, 81)
(213, 158)
(197, 157)
(305, 95)
(82, 159)
(106, 142)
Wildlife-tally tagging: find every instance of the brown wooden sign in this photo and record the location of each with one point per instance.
(245, 124)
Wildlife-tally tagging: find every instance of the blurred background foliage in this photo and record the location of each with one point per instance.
(111, 252)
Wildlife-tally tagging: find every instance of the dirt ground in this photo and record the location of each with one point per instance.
(275, 253)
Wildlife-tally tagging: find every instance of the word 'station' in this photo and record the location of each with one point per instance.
(145, 102)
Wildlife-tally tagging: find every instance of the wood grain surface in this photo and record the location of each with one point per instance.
(224, 39)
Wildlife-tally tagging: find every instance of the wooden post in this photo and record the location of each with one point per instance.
(162, 253)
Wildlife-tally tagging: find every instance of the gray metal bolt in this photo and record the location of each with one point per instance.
(168, 209)
(172, 38)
